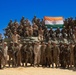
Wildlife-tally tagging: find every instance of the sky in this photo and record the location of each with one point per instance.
(15, 9)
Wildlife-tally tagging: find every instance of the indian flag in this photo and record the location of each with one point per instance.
(54, 22)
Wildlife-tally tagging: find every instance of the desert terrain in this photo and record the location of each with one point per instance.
(37, 71)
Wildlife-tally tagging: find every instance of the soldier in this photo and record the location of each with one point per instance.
(15, 37)
(10, 52)
(66, 56)
(23, 53)
(30, 30)
(71, 54)
(56, 53)
(22, 20)
(35, 30)
(43, 24)
(10, 24)
(43, 57)
(51, 32)
(48, 54)
(1, 55)
(0, 37)
(46, 35)
(17, 61)
(40, 32)
(61, 47)
(57, 31)
(75, 55)
(34, 20)
(5, 49)
(37, 53)
(29, 53)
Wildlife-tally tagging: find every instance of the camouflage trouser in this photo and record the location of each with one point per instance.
(37, 59)
(43, 60)
(75, 61)
(18, 58)
(71, 61)
(49, 60)
(56, 60)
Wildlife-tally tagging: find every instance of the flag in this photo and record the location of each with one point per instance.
(54, 22)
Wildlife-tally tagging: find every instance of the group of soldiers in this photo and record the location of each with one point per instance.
(37, 54)
(43, 52)
(38, 29)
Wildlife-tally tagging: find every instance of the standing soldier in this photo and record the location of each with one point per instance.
(40, 32)
(1, 55)
(71, 54)
(56, 53)
(43, 57)
(29, 54)
(48, 54)
(10, 52)
(37, 53)
(75, 56)
(17, 61)
(5, 49)
(57, 31)
(15, 37)
(34, 20)
(66, 56)
(0, 37)
(61, 47)
(23, 54)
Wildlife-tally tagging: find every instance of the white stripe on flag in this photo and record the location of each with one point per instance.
(54, 22)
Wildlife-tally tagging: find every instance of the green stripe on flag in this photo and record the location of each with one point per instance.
(54, 26)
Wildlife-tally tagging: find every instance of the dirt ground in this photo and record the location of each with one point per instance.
(37, 71)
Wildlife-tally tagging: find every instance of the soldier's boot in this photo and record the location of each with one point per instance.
(31, 64)
(49, 65)
(68, 65)
(9, 64)
(22, 64)
(38, 65)
(26, 64)
(0, 65)
(52, 65)
(75, 65)
(12, 63)
(56, 66)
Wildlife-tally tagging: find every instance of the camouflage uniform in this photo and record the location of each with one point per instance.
(75, 56)
(10, 52)
(71, 55)
(29, 54)
(65, 57)
(37, 53)
(43, 57)
(56, 53)
(48, 54)
(17, 55)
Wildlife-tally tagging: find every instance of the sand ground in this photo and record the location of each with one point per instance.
(37, 71)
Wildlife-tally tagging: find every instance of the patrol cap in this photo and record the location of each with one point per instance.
(5, 43)
(49, 42)
(16, 43)
(30, 42)
(24, 41)
(11, 42)
(70, 43)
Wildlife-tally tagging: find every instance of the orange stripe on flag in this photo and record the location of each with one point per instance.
(53, 18)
